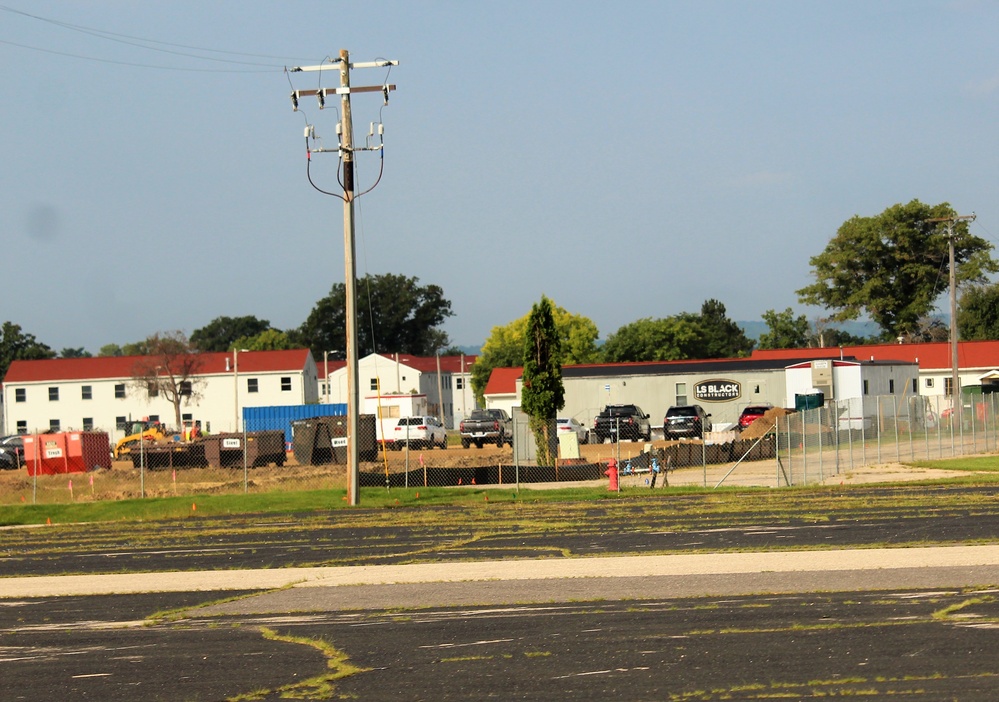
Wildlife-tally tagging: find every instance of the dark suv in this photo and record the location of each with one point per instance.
(685, 420)
(622, 422)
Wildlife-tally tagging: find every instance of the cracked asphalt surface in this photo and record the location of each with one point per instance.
(687, 600)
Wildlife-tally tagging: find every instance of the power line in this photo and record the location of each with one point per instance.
(139, 65)
(141, 43)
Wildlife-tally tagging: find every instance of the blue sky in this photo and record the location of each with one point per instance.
(628, 160)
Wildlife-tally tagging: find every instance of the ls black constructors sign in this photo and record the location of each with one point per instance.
(717, 390)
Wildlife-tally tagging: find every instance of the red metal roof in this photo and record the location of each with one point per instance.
(929, 356)
(503, 381)
(99, 367)
(426, 364)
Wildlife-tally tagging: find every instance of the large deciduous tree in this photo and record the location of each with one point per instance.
(648, 339)
(15, 345)
(889, 266)
(505, 346)
(710, 334)
(543, 394)
(395, 314)
(978, 313)
(170, 369)
(784, 330)
(222, 332)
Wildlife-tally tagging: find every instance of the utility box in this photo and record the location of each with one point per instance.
(66, 452)
(810, 401)
(261, 448)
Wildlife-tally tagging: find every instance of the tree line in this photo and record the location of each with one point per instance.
(890, 267)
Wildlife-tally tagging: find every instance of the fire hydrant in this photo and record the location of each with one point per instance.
(611, 474)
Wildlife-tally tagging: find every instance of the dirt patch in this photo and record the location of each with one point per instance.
(890, 472)
(765, 423)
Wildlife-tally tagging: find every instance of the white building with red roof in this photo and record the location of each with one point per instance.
(103, 393)
(386, 380)
(977, 361)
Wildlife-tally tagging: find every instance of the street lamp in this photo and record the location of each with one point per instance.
(326, 375)
(235, 383)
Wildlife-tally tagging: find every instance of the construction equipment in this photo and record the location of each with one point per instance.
(143, 431)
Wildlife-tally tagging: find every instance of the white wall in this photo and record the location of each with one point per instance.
(215, 408)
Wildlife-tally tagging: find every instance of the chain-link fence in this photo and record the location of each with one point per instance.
(800, 448)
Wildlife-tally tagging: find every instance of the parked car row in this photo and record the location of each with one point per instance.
(681, 421)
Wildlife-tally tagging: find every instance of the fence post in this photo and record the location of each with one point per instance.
(894, 412)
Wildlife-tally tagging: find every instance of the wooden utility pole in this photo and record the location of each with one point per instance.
(346, 151)
(350, 278)
(955, 377)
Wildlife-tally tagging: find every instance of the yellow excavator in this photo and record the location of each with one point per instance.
(144, 431)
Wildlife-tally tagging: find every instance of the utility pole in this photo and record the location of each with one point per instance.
(955, 378)
(346, 151)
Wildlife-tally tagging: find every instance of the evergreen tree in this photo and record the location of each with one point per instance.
(543, 394)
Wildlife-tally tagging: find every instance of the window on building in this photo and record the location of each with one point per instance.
(948, 386)
(186, 388)
(88, 424)
(681, 393)
(20, 395)
(22, 426)
(459, 383)
(251, 385)
(286, 383)
(53, 394)
(154, 418)
(54, 426)
(324, 389)
(891, 386)
(929, 382)
(121, 423)
(186, 417)
(153, 389)
(915, 386)
(87, 392)
(867, 387)
(374, 383)
(388, 412)
(119, 391)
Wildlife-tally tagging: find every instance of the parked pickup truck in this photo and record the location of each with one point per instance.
(622, 422)
(486, 426)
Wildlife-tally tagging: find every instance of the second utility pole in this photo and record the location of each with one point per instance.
(955, 380)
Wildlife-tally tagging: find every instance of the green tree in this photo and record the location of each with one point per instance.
(505, 346)
(15, 345)
(221, 333)
(710, 334)
(136, 348)
(170, 368)
(394, 315)
(543, 394)
(978, 313)
(75, 353)
(269, 340)
(721, 337)
(647, 339)
(110, 350)
(888, 266)
(784, 330)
